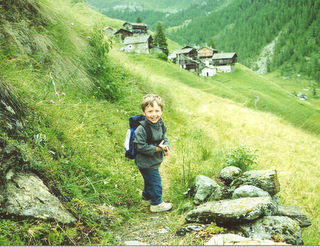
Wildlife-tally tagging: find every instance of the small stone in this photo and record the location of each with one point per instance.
(134, 242)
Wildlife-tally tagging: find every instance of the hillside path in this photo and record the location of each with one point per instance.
(150, 228)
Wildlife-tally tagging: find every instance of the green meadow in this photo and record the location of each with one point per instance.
(79, 91)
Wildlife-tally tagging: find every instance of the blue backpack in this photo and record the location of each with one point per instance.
(134, 122)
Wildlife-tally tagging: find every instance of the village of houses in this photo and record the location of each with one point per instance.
(204, 61)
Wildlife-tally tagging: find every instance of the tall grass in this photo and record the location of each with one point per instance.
(225, 125)
(77, 141)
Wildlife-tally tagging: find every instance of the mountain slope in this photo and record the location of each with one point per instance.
(75, 140)
(165, 5)
(246, 27)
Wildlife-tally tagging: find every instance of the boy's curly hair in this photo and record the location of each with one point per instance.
(149, 99)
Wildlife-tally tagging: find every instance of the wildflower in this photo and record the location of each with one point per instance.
(89, 37)
(51, 102)
(119, 203)
(294, 235)
(72, 23)
(62, 146)
(57, 94)
(63, 94)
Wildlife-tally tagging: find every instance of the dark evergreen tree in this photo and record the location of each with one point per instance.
(211, 44)
(138, 20)
(160, 39)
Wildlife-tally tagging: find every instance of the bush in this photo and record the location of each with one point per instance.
(162, 56)
(242, 157)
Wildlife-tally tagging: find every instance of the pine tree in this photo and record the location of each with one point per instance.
(138, 20)
(160, 39)
(211, 44)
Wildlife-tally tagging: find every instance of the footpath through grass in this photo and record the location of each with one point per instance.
(76, 140)
(213, 125)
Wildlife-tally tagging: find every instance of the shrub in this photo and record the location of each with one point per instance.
(162, 56)
(242, 157)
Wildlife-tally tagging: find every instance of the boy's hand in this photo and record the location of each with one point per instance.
(165, 148)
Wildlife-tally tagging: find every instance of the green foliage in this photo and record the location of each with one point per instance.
(242, 157)
(138, 20)
(211, 44)
(162, 56)
(107, 81)
(160, 39)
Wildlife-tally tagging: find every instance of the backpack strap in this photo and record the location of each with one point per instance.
(148, 130)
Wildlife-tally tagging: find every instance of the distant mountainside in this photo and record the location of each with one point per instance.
(245, 27)
(164, 5)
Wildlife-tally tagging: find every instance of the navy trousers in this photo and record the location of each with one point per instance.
(152, 185)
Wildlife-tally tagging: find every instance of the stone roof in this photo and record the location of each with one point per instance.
(136, 39)
(183, 51)
(135, 24)
(224, 55)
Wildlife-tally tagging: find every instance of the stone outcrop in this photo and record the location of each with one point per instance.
(226, 212)
(204, 187)
(230, 173)
(235, 239)
(249, 191)
(278, 228)
(26, 195)
(295, 213)
(266, 180)
(251, 210)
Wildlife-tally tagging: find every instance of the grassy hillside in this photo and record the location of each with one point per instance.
(75, 141)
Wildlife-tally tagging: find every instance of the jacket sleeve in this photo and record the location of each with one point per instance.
(140, 141)
(166, 140)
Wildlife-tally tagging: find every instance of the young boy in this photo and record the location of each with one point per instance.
(150, 151)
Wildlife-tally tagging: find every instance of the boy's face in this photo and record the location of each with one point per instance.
(153, 113)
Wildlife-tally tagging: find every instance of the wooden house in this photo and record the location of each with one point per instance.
(206, 52)
(208, 71)
(123, 33)
(188, 63)
(136, 27)
(186, 47)
(188, 52)
(224, 61)
(137, 44)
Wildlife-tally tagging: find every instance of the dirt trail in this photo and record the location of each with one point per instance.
(150, 228)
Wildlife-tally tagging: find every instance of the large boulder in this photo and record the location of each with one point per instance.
(235, 239)
(266, 180)
(277, 228)
(25, 195)
(249, 191)
(226, 212)
(204, 187)
(294, 213)
(230, 173)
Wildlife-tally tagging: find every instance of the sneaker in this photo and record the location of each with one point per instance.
(161, 207)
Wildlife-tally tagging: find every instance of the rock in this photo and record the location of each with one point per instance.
(134, 242)
(266, 180)
(226, 212)
(230, 173)
(294, 213)
(277, 228)
(234, 239)
(26, 195)
(249, 191)
(204, 187)
(190, 228)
